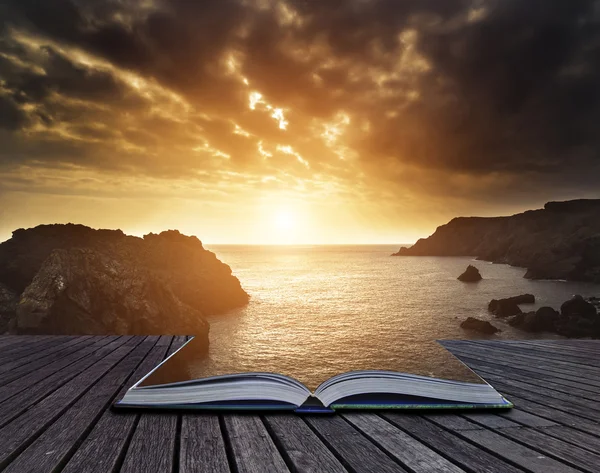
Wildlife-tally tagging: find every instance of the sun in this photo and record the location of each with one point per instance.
(284, 221)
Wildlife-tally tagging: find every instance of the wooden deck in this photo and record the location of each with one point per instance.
(55, 394)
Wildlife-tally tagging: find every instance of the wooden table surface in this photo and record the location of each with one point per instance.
(55, 416)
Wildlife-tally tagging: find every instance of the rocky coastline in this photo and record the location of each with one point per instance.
(577, 317)
(560, 241)
(72, 279)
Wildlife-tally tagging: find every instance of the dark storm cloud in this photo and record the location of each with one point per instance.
(505, 86)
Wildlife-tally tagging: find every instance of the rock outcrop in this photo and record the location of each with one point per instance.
(560, 241)
(471, 274)
(577, 318)
(477, 325)
(510, 305)
(74, 279)
(8, 306)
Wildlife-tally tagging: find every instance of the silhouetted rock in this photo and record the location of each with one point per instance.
(542, 320)
(510, 305)
(561, 241)
(578, 306)
(503, 307)
(82, 291)
(477, 325)
(178, 263)
(471, 274)
(516, 320)
(576, 319)
(546, 318)
(8, 305)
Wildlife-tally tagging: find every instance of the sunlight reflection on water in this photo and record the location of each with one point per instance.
(319, 311)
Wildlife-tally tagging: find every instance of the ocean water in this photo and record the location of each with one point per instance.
(316, 311)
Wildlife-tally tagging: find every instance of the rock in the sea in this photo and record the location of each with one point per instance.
(8, 306)
(516, 320)
(510, 305)
(471, 274)
(578, 306)
(82, 291)
(546, 318)
(504, 308)
(477, 325)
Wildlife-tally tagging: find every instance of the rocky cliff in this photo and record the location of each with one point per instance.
(560, 241)
(77, 280)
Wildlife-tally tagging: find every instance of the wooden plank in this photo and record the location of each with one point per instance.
(355, 451)
(570, 435)
(578, 406)
(559, 348)
(104, 448)
(491, 421)
(522, 455)
(26, 348)
(537, 376)
(46, 358)
(202, 445)
(300, 445)
(452, 447)
(252, 447)
(54, 446)
(526, 418)
(560, 417)
(11, 340)
(16, 435)
(544, 385)
(16, 405)
(11, 388)
(516, 362)
(152, 447)
(27, 364)
(519, 454)
(556, 448)
(563, 358)
(555, 362)
(411, 453)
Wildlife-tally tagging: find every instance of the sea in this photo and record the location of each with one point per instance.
(316, 311)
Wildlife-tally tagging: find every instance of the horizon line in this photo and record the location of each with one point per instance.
(306, 244)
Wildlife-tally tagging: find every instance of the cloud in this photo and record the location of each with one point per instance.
(421, 96)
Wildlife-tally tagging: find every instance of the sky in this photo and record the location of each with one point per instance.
(294, 121)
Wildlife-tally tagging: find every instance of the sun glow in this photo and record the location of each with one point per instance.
(285, 221)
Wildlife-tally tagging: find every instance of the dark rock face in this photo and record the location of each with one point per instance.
(477, 325)
(181, 272)
(509, 306)
(546, 318)
(471, 274)
(578, 307)
(8, 306)
(504, 307)
(516, 320)
(561, 241)
(577, 318)
(81, 291)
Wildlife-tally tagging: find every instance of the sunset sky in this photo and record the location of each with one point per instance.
(294, 121)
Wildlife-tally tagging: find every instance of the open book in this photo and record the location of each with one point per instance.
(173, 385)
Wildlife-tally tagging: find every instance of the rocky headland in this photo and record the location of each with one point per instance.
(560, 241)
(72, 279)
